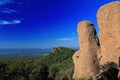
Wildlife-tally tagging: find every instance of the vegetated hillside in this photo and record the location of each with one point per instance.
(57, 65)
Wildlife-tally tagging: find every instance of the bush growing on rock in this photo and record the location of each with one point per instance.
(109, 71)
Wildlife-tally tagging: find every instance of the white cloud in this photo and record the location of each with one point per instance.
(5, 22)
(4, 9)
(7, 10)
(4, 2)
(65, 39)
(16, 21)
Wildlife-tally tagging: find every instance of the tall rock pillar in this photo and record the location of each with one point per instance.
(85, 60)
(108, 18)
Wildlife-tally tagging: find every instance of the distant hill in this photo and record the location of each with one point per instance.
(57, 65)
(9, 53)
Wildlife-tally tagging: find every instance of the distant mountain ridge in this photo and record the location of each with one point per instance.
(9, 53)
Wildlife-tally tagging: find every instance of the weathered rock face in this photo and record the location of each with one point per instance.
(109, 24)
(85, 60)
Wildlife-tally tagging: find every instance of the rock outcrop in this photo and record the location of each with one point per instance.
(57, 49)
(108, 18)
(85, 60)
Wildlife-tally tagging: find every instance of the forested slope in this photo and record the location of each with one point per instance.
(57, 65)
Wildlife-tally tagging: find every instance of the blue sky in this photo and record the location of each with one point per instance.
(44, 23)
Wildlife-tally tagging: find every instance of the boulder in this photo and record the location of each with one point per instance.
(85, 60)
